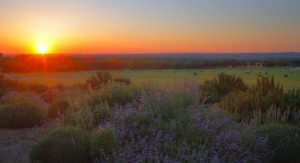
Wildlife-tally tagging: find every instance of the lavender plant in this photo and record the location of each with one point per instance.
(162, 127)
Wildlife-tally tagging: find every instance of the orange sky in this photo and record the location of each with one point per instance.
(140, 26)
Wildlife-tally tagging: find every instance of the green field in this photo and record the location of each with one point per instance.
(164, 76)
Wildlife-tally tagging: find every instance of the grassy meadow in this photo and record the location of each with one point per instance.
(166, 76)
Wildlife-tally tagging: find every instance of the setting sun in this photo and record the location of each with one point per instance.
(42, 48)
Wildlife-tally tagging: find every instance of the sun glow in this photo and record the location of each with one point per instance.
(42, 48)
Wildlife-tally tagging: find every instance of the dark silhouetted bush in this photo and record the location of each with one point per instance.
(21, 115)
(64, 145)
(284, 140)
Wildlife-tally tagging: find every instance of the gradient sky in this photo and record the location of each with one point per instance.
(150, 26)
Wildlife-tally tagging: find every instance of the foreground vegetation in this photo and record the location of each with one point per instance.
(113, 120)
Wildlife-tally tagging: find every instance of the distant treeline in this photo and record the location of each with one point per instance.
(56, 63)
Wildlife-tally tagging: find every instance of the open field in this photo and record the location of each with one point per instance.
(165, 76)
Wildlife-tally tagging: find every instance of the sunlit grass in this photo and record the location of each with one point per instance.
(164, 76)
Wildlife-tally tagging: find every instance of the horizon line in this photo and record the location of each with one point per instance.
(155, 53)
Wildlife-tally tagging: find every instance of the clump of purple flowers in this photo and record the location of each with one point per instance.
(169, 125)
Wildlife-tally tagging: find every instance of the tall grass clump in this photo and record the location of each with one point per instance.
(284, 140)
(68, 145)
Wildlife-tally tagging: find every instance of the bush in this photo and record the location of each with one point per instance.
(58, 108)
(221, 86)
(79, 114)
(260, 98)
(102, 143)
(21, 115)
(284, 140)
(67, 145)
(116, 94)
(100, 80)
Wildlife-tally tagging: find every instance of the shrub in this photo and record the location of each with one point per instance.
(79, 114)
(100, 80)
(260, 98)
(123, 80)
(58, 108)
(221, 86)
(68, 145)
(116, 94)
(21, 115)
(284, 140)
(103, 142)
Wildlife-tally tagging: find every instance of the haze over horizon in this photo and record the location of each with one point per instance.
(157, 26)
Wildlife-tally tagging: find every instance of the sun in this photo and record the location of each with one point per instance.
(42, 48)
